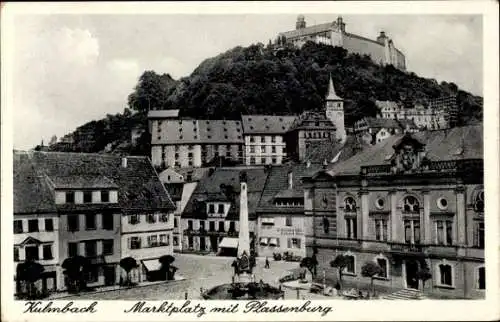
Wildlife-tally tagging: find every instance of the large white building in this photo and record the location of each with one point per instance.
(265, 138)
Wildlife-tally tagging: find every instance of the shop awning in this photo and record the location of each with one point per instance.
(273, 242)
(267, 221)
(228, 242)
(263, 241)
(152, 265)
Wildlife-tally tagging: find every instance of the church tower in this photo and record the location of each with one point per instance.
(335, 112)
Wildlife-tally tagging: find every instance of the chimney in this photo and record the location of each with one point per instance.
(124, 162)
(290, 179)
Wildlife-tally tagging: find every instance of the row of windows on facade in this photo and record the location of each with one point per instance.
(443, 231)
(262, 139)
(445, 272)
(254, 160)
(90, 222)
(411, 204)
(275, 242)
(316, 135)
(289, 202)
(151, 241)
(87, 196)
(211, 226)
(274, 149)
(220, 208)
(190, 147)
(196, 136)
(33, 225)
(32, 252)
(269, 222)
(150, 218)
(90, 248)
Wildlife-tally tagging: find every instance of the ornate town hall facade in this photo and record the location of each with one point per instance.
(411, 202)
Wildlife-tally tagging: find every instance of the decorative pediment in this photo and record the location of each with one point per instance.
(409, 155)
(31, 241)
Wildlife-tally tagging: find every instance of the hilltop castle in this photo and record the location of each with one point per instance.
(381, 50)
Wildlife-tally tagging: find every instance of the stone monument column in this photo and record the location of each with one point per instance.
(244, 234)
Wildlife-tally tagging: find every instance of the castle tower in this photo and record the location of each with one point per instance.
(301, 22)
(335, 111)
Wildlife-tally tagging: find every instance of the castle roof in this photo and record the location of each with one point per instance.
(267, 124)
(308, 30)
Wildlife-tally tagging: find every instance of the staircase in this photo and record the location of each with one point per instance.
(405, 294)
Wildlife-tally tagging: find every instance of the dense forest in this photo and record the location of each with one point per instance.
(261, 79)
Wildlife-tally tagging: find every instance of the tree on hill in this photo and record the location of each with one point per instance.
(151, 92)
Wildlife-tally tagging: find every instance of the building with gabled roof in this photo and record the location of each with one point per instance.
(99, 201)
(212, 213)
(410, 203)
(280, 211)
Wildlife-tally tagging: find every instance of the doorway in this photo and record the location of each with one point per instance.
(109, 275)
(203, 245)
(213, 243)
(411, 274)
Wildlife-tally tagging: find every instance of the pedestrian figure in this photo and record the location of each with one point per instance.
(267, 263)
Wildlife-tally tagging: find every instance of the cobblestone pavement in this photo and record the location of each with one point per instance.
(200, 272)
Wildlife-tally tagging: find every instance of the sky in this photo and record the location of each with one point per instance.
(71, 69)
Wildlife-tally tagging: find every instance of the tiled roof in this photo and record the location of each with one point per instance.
(452, 144)
(277, 184)
(82, 182)
(32, 193)
(199, 131)
(309, 119)
(209, 189)
(266, 124)
(196, 173)
(377, 123)
(308, 30)
(318, 152)
(138, 185)
(163, 114)
(220, 131)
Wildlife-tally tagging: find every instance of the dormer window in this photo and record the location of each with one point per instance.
(70, 197)
(104, 196)
(87, 196)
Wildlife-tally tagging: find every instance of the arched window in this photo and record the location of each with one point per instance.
(444, 274)
(481, 278)
(411, 205)
(349, 204)
(479, 202)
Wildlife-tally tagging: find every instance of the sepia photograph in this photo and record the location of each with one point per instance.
(303, 155)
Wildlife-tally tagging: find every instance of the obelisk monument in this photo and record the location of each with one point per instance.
(244, 235)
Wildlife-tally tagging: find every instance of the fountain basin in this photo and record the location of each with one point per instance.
(243, 291)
